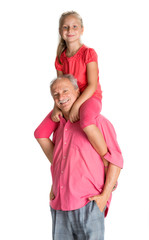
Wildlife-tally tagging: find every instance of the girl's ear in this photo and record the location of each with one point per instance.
(82, 30)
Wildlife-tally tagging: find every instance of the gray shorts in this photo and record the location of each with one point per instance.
(86, 223)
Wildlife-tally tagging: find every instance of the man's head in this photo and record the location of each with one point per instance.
(64, 91)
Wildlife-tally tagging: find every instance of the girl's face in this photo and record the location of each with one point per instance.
(71, 29)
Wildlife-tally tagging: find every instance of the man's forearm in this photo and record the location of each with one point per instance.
(47, 146)
(111, 179)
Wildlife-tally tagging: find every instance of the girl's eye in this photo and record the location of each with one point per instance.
(65, 91)
(74, 26)
(65, 27)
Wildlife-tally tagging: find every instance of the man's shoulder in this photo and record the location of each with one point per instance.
(100, 119)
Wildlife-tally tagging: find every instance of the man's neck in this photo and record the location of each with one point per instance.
(66, 116)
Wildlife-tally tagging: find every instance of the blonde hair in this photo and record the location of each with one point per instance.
(62, 44)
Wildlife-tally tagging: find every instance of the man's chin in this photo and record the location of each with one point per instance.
(65, 109)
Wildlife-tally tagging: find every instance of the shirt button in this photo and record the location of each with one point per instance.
(65, 143)
(64, 156)
(66, 129)
(61, 187)
(62, 172)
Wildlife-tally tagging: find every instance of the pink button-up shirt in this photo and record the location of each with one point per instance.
(77, 169)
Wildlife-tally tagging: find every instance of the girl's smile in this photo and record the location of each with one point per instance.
(71, 29)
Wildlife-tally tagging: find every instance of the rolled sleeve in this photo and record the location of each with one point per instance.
(114, 154)
(114, 157)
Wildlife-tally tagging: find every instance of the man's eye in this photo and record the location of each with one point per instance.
(65, 91)
(74, 26)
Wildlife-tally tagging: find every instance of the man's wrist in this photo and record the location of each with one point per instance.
(106, 193)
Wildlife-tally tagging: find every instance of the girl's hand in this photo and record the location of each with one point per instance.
(55, 114)
(100, 200)
(51, 195)
(74, 113)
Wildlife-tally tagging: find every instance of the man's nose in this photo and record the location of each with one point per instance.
(61, 96)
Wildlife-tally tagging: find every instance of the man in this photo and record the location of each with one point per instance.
(82, 198)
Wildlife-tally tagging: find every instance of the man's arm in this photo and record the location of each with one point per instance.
(47, 146)
(111, 179)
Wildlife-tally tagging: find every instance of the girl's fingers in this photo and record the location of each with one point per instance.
(57, 119)
(71, 119)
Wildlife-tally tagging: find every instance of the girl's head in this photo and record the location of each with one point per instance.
(73, 14)
(70, 29)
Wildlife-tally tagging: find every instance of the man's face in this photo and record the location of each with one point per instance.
(64, 94)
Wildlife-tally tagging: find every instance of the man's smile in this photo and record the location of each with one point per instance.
(63, 102)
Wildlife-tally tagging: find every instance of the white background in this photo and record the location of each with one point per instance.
(118, 31)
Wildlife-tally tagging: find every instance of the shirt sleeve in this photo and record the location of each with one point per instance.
(114, 154)
(58, 66)
(90, 56)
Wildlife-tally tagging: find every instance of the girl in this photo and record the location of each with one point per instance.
(75, 58)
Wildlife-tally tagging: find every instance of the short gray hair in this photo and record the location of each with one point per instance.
(70, 77)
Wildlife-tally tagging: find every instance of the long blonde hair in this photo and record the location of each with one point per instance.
(62, 44)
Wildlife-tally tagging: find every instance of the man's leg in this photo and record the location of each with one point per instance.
(87, 222)
(93, 222)
(61, 227)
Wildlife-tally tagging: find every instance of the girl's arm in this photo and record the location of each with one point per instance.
(55, 114)
(59, 73)
(92, 79)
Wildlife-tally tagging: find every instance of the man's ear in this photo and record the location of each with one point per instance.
(78, 92)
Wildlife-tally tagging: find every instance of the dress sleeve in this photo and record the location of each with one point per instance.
(46, 127)
(90, 56)
(114, 154)
(58, 66)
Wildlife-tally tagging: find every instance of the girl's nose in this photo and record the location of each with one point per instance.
(69, 29)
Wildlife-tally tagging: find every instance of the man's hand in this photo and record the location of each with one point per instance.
(51, 195)
(55, 114)
(100, 200)
(74, 113)
(111, 181)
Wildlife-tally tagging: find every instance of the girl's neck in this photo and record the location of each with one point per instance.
(72, 48)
